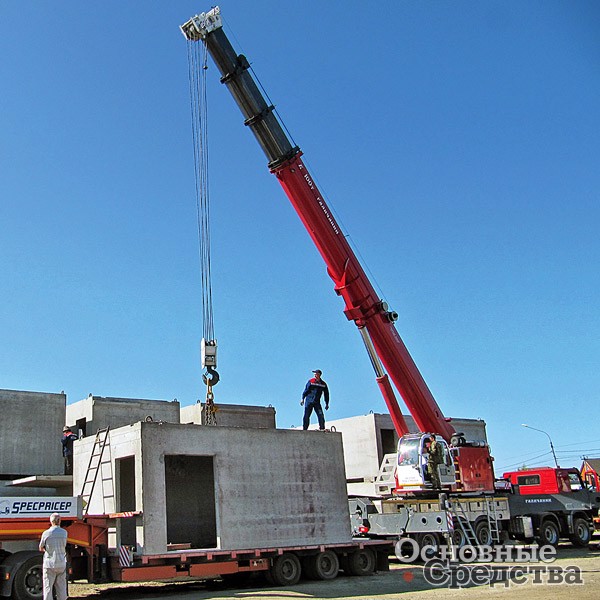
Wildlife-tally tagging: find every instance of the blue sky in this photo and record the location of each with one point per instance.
(457, 143)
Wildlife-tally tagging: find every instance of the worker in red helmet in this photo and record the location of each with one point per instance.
(311, 399)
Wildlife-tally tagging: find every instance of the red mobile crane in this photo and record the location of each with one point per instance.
(371, 315)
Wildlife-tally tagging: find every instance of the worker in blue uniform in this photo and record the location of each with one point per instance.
(311, 399)
(67, 440)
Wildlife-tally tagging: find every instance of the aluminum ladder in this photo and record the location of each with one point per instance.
(464, 524)
(98, 463)
(492, 519)
(385, 481)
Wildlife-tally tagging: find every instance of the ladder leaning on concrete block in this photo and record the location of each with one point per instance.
(99, 463)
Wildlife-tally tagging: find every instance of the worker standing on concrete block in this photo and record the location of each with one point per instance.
(67, 440)
(311, 399)
(53, 544)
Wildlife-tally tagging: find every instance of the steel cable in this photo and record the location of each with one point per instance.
(197, 66)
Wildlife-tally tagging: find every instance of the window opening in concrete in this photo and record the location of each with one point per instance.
(125, 468)
(191, 510)
(389, 441)
(80, 427)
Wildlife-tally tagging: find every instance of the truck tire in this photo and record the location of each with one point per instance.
(322, 566)
(361, 562)
(483, 533)
(548, 534)
(28, 583)
(285, 570)
(429, 540)
(459, 539)
(581, 533)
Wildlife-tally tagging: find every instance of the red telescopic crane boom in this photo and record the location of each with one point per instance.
(362, 304)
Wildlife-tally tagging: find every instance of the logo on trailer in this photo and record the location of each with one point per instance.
(38, 507)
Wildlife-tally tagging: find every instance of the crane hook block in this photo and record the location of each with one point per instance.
(208, 353)
(211, 377)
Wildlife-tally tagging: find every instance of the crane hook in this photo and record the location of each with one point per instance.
(214, 376)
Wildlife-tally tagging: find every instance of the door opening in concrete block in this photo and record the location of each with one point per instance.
(80, 427)
(191, 509)
(389, 441)
(125, 471)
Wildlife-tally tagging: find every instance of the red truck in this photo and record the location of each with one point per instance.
(550, 504)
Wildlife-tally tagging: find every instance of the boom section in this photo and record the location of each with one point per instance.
(362, 303)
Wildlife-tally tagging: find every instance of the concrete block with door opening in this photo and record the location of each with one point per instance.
(221, 487)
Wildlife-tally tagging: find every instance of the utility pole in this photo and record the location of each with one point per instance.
(549, 438)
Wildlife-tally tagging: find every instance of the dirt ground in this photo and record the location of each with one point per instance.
(406, 582)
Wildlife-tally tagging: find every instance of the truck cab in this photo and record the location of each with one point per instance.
(545, 480)
(411, 467)
(551, 504)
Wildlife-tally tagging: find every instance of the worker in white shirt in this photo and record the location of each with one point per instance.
(53, 544)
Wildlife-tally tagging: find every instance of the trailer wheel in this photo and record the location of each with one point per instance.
(322, 566)
(285, 570)
(581, 533)
(28, 580)
(549, 533)
(361, 562)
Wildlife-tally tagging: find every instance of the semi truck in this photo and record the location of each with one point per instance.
(472, 506)
(91, 557)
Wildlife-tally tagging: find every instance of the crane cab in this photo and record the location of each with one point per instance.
(411, 467)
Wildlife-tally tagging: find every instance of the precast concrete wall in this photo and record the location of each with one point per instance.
(223, 487)
(31, 426)
(231, 415)
(96, 412)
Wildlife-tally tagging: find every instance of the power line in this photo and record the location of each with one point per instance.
(578, 443)
(522, 462)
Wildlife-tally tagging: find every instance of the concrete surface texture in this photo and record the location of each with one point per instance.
(96, 412)
(368, 438)
(231, 415)
(221, 487)
(30, 432)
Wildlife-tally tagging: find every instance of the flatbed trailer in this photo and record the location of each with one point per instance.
(91, 559)
(283, 565)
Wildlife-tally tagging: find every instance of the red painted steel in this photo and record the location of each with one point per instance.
(86, 533)
(153, 573)
(475, 470)
(541, 480)
(363, 306)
